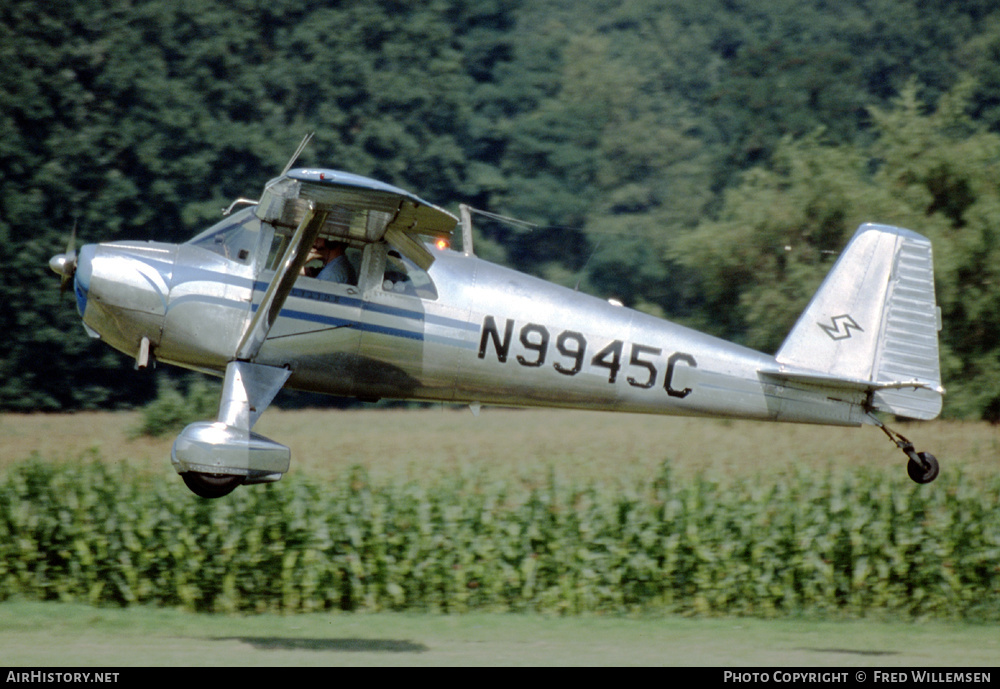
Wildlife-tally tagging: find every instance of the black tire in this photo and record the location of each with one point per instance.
(211, 485)
(924, 471)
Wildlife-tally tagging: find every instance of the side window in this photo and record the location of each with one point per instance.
(332, 261)
(403, 276)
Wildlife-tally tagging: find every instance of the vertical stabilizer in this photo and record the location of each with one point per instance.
(874, 322)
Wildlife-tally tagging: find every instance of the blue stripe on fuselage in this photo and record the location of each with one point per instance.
(357, 303)
(418, 317)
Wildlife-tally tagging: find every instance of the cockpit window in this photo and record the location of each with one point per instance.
(234, 237)
(403, 276)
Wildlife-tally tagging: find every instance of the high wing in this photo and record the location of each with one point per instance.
(310, 203)
(359, 209)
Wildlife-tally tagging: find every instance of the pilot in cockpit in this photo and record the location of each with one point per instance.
(331, 261)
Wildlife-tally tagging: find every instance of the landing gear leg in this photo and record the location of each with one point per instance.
(922, 467)
(215, 457)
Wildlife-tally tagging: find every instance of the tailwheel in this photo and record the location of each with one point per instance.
(925, 470)
(922, 467)
(211, 485)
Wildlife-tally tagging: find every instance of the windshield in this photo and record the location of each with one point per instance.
(234, 237)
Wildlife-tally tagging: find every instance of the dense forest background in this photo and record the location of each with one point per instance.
(703, 161)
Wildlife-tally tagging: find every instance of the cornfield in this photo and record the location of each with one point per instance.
(852, 543)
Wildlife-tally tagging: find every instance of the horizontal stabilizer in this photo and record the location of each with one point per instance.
(786, 375)
(873, 325)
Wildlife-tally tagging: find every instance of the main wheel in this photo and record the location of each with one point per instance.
(924, 471)
(211, 485)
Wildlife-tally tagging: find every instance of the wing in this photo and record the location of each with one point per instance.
(358, 209)
(312, 203)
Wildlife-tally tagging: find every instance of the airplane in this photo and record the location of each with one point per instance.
(424, 321)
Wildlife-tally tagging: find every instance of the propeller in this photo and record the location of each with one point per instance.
(65, 264)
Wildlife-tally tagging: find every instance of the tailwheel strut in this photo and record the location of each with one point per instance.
(922, 467)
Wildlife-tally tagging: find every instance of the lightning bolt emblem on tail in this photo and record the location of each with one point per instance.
(839, 327)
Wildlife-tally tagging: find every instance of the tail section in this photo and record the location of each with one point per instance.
(874, 324)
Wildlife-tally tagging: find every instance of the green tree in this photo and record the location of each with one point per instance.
(613, 125)
(781, 228)
(141, 120)
(946, 165)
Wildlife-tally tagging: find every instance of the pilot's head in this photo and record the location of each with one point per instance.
(329, 248)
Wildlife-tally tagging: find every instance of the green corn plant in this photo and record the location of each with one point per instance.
(845, 543)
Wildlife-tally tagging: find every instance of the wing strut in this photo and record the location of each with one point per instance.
(281, 285)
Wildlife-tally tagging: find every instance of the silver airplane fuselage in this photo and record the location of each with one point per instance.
(472, 332)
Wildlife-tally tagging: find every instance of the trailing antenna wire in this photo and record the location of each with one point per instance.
(505, 218)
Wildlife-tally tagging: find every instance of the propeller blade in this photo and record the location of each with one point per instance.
(64, 282)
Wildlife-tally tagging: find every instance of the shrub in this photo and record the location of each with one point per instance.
(173, 409)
